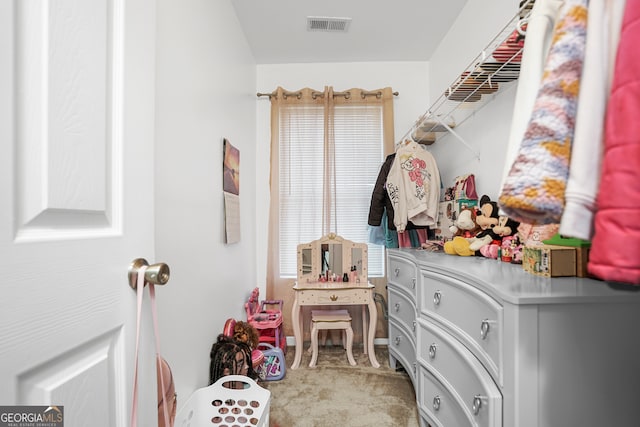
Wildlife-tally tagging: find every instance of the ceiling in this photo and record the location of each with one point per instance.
(402, 30)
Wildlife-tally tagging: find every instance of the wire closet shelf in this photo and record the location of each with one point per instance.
(493, 69)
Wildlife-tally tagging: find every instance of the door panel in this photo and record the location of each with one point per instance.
(65, 76)
(76, 110)
(66, 378)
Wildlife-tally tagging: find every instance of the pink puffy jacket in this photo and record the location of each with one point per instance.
(615, 250)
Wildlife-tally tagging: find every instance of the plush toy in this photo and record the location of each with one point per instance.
(465, 225)
(464, 229)
(486, 219)
(512, 248)
(506, 227)
(504, 234)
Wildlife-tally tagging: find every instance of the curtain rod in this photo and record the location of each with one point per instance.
(314, 95)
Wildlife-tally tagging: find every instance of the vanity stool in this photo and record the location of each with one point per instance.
(328, 320)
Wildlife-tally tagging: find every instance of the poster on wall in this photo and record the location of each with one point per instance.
(231, 191)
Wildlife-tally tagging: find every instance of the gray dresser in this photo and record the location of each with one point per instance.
(487, 344)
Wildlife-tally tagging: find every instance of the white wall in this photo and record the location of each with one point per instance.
(205, 91)
(410, 79)
(487, 131)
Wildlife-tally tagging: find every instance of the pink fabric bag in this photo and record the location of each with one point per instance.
(465, 187)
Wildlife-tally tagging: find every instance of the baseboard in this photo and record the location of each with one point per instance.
(291, 341)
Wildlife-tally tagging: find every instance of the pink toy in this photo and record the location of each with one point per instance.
(268, 322)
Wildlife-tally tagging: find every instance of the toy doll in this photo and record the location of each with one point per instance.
(464, 230)
(230, 357)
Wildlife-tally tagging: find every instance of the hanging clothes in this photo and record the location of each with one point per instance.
(413, 186)
(381, 234)
(390, 235)
(605, 19)
(380, 201)
(538, 38)
(535, 186)
(615, 248)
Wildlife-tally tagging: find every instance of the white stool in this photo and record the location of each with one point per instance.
(327, 320)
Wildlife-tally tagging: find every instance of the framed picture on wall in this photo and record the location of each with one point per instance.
(231, 191)
(231, 168)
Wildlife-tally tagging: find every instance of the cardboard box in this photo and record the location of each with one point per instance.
(550, 260)
(582, 259)
(447, 214)
(582, 251)
(466, 203)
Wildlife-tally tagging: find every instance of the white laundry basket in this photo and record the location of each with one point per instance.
(217, 405)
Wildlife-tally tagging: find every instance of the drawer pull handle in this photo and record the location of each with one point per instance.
(414, 326)
(413, 284)
(477, 404)
(436, 403)
(415, 368)
(485, 326)
(333, 298)
(397, 340)
(432, 350)
(397, 306)
(397, 271)
(437, 297)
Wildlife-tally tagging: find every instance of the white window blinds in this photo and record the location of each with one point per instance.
(358, 136)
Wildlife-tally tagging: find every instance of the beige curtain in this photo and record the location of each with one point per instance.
(328, 98)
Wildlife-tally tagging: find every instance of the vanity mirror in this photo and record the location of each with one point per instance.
(334, 254)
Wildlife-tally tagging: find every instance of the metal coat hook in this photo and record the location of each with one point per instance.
(158, 274)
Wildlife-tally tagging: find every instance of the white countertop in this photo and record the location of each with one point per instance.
(510, 283)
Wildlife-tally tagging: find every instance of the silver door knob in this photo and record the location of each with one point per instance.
(158, 274)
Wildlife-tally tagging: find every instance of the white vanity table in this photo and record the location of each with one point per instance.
(487, 344)
(335, 294)
(338, 255)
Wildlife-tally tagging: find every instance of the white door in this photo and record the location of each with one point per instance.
(76, 203)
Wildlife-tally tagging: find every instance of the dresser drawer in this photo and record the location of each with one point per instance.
(403, 348)
(402, 309)
(346, 296)
(441, 408)
(403, 273)
(455, 407)
(446, 357)
(468, 313)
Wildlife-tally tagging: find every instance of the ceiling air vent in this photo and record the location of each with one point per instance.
(323, 23)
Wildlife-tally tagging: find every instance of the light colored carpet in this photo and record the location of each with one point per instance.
(336, 394)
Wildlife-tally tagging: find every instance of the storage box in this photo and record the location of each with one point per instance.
(582, 251)
(466, 203)
(582, 260)
(447, 214)
(550, 260)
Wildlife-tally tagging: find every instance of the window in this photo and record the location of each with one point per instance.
(358, 156)
(328, 159)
